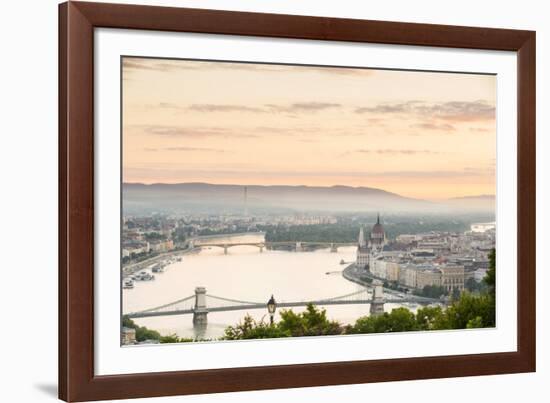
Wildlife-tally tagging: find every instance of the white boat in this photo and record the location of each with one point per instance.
(143, 276)
(128, 284)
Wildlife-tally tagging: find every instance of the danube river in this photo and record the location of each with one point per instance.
(245, 274)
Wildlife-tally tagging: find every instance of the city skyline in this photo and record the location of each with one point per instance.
(417, 134)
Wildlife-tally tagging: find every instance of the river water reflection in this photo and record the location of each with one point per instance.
(245, 274)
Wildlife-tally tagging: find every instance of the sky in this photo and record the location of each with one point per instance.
(419, 134)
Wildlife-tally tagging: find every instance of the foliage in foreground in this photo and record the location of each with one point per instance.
(467, 311)
(143, 333)
(312, 322)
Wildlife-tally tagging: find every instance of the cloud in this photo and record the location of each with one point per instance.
(219, 131)
(462, 111)
(434, 173)
(403, 107)
(388, 151)
(224, 108)
(192, 132)
(434, 126)
(170, 65)
(479, 130)
(453, 111)
(185, 149)
(168, 105)
(165, 105)
(298, 107)
(288, 131)
(253, 172)
(129, 64)
(376, 121)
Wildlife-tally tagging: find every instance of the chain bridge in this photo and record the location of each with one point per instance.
(201, 303)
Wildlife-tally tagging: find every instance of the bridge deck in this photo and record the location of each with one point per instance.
(263, 306)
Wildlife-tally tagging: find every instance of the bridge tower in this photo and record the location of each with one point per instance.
(200, 311)
(377, 304)
(333, 248)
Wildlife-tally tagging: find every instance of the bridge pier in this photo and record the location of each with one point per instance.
(261, 249)
(200, 311)
(377, 304)
(225, 249)
(299, 247)
(333, 248)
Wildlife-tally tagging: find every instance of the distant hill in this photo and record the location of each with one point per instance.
(230, 198)
(473, 203)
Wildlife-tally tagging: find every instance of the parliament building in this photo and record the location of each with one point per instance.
(367, 248)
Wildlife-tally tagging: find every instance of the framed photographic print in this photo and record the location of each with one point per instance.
(254, 201)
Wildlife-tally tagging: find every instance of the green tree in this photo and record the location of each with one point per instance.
(469, 307)
(398, 320)
(248, 328)
(455, 295)
(312, 322)
(127, 322)
(491, 276)
(142, 333)
(427, 317)
(475, 323)
(173, 338)
(476, 287)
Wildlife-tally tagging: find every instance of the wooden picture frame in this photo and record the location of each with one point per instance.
(77, 381)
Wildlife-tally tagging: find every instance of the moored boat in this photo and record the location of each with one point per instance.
(144, 276)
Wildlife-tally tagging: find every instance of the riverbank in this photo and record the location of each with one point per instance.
(359, 276)
(353, 273)
(134, 267)
(138, 266)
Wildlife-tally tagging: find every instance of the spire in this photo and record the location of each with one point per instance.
(246, 201)
(378, 219)
(361, 238)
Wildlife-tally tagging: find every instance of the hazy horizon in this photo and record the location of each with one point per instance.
(287, 185)
(422, 135)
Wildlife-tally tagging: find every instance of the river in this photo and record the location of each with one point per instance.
(245, 274)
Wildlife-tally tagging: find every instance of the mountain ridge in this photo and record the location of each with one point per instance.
(195, 196)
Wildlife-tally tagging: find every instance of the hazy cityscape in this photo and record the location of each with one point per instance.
(414, 260)
(266, 201)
